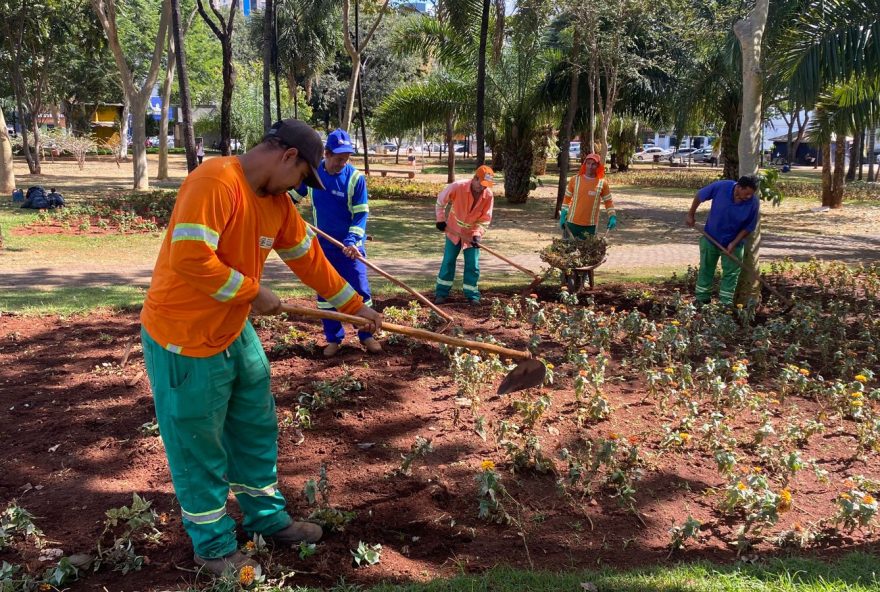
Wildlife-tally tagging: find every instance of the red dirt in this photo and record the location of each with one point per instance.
(51, 394)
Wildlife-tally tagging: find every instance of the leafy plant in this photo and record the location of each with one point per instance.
(367, 554)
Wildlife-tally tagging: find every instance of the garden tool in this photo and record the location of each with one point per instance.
(528, 373)
(536, 279)
(788, 303)
(386, 275)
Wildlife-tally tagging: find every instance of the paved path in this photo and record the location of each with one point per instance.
(651, 237)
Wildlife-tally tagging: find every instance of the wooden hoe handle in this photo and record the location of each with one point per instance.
(421, 334)
(384, 274)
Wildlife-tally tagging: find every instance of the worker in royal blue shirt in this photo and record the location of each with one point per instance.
(732, 217)
(341, 211)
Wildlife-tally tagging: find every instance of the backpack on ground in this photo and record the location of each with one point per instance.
(36, 199)
(56, 200)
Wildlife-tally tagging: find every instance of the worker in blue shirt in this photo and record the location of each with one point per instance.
(732, 217)
(341, 211)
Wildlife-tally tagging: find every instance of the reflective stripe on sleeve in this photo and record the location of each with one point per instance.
(195, 232)
(360, 208)
(339, 299)
(324, 305)
(356, 230)
(230, 288)
(299, 250)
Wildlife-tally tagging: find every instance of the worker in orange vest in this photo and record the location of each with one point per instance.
(585, 193)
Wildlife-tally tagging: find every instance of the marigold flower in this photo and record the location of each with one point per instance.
(487, 465)
(845, 496)
(804, 371)
(549, 366)
(675, 322)
(861, 378)
(684, 437)
(247, 575)
(856, 395)
(784, 504)
(857, 403)
(868, 499)
(774, 401)
(163, 518)
(668, 370)
(613, 435)
(250, 546)
(45, 587)
(475, 352)
(797, 527)
(741, 486)
(739, 306)
(633, 440)
(582, 373)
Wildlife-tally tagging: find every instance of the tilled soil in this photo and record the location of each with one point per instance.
(74, 448)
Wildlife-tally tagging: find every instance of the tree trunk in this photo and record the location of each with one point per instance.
(189, 138)
(31, 156)
(363, 127)
(7, 172)
(351, 94)
(354, 52)
(567, 122)
(138, 140)
(518, 157)
(450, 147)
(750, 32)
(861, 152)
(162, 174)
(124, 129)
(872, 145)
(855, 154)
(481, 84)
(802, 127)
(837, 177)
(826, 175)
(729, 140)
(267, 66)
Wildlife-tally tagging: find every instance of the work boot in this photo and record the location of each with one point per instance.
(439, 299)
(332, 349)
(473, 302)
(235, 560)
(372, 346)
(297, 532)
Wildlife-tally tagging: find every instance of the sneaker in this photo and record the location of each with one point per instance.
(217, 566)
(439, 299)
(332, 349)
(297, 532)
(373, 346)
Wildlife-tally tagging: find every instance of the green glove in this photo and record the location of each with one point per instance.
(562, 216)
(612, 222)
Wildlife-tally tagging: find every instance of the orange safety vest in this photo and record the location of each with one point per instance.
(465, 219)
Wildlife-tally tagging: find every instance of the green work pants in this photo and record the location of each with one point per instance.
(580, 232)
(709, 255)
(447, 271)
(217, 420)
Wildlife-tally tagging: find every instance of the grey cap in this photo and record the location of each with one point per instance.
(294, 133)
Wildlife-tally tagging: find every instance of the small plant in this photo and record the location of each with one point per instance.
(855, 508)
(17, 520)
(151, 428)
(679, 534)
(367, 554)
(490, 492)
(326, 393)
(419, 449)
(306, 550)
(124, 526)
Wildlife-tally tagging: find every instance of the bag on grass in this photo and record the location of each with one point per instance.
(36, 199)
(56, 200)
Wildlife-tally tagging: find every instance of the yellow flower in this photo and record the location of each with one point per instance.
(868, 499)
(741, 486)
(784, 504)
(861, 378)
(845, 496)
(250, 546)
(804, 371)
(246, 575)
(684, 437)
(582, 373)
(487, 465)
(857, 403)
(549, 366)
(856, 395)
(668, 370)
(675, 323)
(739, 306)
(45, 587)
(613, 435)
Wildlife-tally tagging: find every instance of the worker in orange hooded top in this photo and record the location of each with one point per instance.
(585, 193)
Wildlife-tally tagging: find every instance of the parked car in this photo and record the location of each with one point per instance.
(684, 153)
(705, 155)
(390, 146)
(648, 154)
(574, 150)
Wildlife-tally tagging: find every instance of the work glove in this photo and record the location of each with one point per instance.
(441, 226)
(475, 242)
(612, 222)
(563, 215)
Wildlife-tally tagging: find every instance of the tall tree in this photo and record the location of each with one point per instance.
(137, 93)
(7, 173)
(268, 44)
(177, 32)
(223, 28)
(170, 68)
(355, 53)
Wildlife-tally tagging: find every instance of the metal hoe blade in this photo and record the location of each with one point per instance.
(527, 374)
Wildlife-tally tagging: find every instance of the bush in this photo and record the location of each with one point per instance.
(388, 188)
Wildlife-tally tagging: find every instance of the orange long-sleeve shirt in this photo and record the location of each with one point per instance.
(212, 258)
(583, 197)
(467, 217)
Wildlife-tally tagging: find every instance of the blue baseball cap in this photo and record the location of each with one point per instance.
(339, 142)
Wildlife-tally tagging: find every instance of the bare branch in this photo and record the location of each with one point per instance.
(207, 19)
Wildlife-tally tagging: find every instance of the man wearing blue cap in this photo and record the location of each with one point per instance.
(341, 211)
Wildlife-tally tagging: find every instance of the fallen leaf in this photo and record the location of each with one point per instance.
(365, 445)
(589, 587)
(54, 448)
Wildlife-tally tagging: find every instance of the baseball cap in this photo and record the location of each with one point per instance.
(339, 142)
(294, 133)
(485, 174)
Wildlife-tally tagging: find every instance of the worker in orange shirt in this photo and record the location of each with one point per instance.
(585, 193)
(469, 204)
(208, 371)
